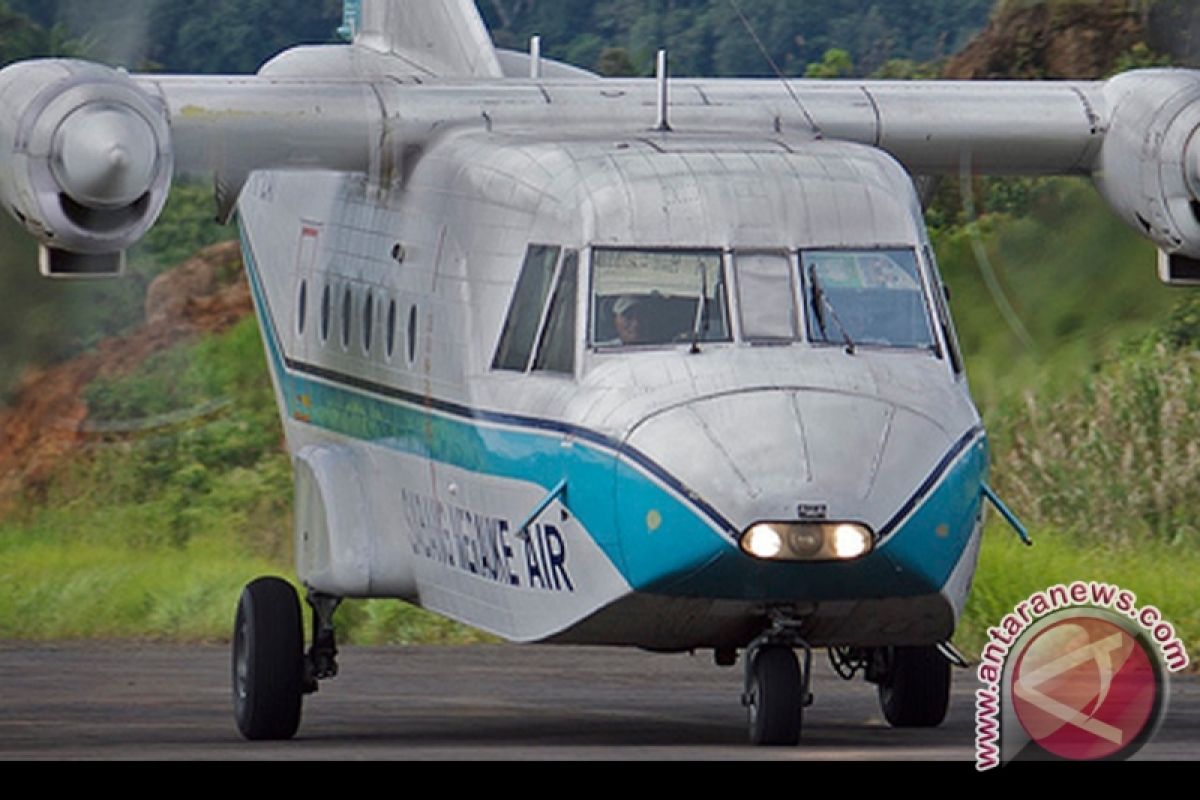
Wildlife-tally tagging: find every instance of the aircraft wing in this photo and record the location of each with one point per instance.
(87, 153)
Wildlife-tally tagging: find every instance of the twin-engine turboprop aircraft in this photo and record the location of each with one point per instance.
(632, 362)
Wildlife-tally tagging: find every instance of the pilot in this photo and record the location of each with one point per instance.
(628, 315)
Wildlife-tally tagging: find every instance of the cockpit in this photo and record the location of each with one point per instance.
(637, 299)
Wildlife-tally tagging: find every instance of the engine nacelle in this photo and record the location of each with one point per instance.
(1149, 167)
(85, 161)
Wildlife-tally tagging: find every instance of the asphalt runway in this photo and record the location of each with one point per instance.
(110, 701)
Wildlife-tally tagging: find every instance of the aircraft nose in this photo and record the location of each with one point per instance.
(782, 454)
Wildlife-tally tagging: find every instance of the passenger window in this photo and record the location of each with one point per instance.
(368, 321)
(766, 297)
(869, 297)
(658, 297)
(325, 303)
(391, 329)
(302, 308)
(412, 335)
(347, 307)
(525, 313)
(557, 350)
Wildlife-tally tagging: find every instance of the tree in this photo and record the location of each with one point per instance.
(614, 62)
(835, 64)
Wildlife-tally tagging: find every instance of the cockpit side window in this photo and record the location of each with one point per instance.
(766, 297)
(867, 297)
(525, 313)
(658, 297)
(556, 351)
(941, 302)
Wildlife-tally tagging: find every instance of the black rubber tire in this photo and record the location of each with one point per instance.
(915, 688)
(775, 703)
(268, 661)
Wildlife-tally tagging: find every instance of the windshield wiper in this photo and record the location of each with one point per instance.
(820, 302)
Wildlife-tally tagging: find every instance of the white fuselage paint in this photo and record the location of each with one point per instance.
(431, 432)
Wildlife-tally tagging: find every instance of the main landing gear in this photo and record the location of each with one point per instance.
(913, 682)
(271, 670)
(914, 686)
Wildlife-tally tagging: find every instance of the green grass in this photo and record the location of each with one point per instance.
(74, 588)
(86, 590)
(121, 570)
(1159, 574)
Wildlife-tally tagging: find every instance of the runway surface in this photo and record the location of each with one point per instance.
(86, 701)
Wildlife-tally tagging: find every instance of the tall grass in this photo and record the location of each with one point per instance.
(1159, 573)
(1117, 462)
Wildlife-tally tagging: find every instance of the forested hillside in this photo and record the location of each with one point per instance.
(713, 37)
(705, 36)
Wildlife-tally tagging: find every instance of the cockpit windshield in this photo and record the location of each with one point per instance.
(658, 297)
(868, 297)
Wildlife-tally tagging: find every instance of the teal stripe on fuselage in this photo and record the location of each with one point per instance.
(684, 554)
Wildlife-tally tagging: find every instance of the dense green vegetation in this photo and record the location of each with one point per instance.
(705, 36)
(713, 37)
(1078, 283)
(218, 36)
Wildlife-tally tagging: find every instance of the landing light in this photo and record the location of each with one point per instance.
(804, 541)
(851, 541)
(763, 541)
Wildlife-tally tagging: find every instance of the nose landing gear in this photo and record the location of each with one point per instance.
(777, 685)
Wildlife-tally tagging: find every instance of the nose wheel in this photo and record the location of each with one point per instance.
(777, 687)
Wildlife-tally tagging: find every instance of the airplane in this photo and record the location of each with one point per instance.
(657, 362)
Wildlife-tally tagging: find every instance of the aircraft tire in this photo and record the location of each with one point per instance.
(915, 689)
(774, 699)
(268, 661)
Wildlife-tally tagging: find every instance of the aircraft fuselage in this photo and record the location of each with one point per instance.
(473, 432)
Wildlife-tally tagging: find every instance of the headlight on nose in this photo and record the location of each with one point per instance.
(807, 541)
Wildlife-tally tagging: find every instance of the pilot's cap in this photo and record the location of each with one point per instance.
(626, 303)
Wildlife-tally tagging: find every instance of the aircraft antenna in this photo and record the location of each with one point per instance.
(775, 67)
(663, 123)
(535, 58)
